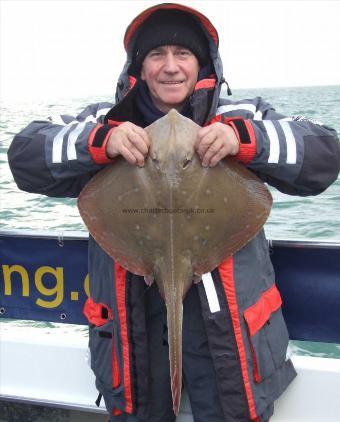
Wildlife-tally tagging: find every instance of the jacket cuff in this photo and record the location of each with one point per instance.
(97, 143)
(246, 135)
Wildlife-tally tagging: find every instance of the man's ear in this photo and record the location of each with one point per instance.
(142, 75)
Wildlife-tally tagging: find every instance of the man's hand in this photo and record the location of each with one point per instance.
(130, 141)
(215, 142)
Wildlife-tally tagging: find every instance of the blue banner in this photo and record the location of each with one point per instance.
(43, 279)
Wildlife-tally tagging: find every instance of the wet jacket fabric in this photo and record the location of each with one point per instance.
(233, 319)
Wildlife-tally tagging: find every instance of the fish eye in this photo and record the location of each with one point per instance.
(186, 163)
(156, 162)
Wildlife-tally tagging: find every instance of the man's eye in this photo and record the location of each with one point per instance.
(184, 53)
(154, 53)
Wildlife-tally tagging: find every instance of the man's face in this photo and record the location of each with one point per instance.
(170, 73)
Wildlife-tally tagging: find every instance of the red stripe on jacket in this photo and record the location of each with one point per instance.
(120, 276)
(115, 367)
(226, 270)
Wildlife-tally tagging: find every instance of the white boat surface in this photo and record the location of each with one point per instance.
(49, 367)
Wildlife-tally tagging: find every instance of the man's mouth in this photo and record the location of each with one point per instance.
(171, 82)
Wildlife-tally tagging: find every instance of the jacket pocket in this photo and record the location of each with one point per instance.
(104, 357)
(267, 333)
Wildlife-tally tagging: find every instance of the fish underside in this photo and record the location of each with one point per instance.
(173, 220)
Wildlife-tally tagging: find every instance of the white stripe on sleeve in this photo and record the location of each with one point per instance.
(57, 149)
(72, 139)
(102, 112)
(291, 143)
(234, 107)
(258, 115)
(274, 149)
(211, 293)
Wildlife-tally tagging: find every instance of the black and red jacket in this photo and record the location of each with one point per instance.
(296, 155)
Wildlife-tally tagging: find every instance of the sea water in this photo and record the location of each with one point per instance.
(311, 218)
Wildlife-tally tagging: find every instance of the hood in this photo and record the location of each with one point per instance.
(126, 79)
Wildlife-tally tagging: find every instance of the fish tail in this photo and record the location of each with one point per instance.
(175, 318)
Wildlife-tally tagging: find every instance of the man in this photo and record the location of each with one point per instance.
(234, 360)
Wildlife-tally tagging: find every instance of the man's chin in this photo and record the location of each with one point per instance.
(173, 103)
(169, 107)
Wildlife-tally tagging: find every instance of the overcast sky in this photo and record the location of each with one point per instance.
(51, 49)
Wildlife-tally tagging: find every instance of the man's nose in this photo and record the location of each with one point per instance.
(170, 63)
